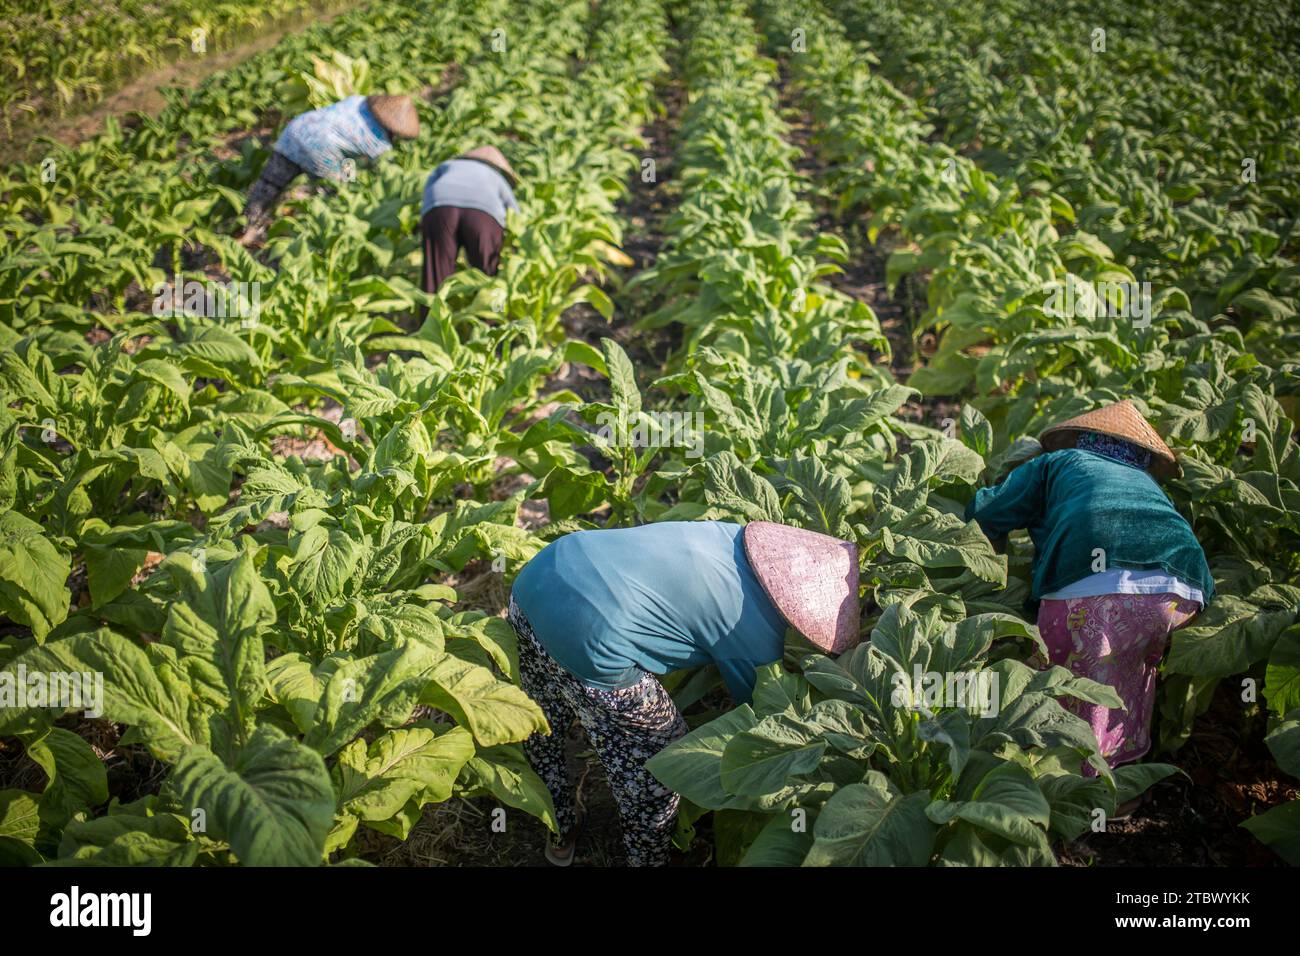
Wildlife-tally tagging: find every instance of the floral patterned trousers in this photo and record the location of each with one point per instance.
(1115, 639)
(626, 728)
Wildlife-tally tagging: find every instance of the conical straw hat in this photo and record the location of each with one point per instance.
(1119, 420)
(811, 578)
(396, 114)
(492, 156)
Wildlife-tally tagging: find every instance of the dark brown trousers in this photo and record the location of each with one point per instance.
(446, 230)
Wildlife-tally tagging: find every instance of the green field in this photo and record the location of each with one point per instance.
(870, 250)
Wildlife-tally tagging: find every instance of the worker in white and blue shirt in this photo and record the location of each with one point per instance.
(321, 143)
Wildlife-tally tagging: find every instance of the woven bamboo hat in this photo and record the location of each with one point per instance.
(396, 114)
(1119, 420)
(492, 156)
(811, 578)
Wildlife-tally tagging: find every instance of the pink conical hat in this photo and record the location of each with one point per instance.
(811, 578)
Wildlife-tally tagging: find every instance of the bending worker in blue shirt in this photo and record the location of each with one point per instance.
(1116, 567)
(599, 613)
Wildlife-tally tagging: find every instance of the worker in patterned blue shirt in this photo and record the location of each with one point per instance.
(321, 142)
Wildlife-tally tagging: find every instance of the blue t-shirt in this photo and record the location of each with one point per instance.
(609, 604)
(321, 140)
(469, 184)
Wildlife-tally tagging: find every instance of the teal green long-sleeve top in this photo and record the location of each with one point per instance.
(609, 604)
(1073, 501)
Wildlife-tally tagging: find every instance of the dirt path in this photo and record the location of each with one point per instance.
(144, 93)
(863, 275)
(644, 210)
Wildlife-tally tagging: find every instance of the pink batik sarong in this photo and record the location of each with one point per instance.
(1115, 639)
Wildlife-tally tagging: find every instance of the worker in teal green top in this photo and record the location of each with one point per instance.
(600, 612)
(1116, 567)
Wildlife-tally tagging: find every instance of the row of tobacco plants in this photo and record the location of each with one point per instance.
(848, 760)
(276, 630)
(57, 56)
(1119, 252)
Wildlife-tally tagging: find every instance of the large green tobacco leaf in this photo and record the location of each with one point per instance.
(760, 761)
(1029, 715)
(503, 772)
(297, 687)
(862, 825)
(1073, 800)
(624, 394)
(323, 561)
(19, 824)
(966, 642)
(128, 839)
(374, 782)
(783, 841)
(1233, 632)
(274, 805)
(932, 539)
(220, 621)
(391, 625)
(1284, 742)
(777, 691)
(1006, 802)
(109, 571)
(735, 488)
(494, 711)
(1282, 677)
(1279, 827)
(965, 848)
(821, 499)
(158, 704)
(78, 779)
(495, 636)
(733, 832)
(113, 555)
(33, 575)
(383, 687)
(692, 765)
(1133, 780)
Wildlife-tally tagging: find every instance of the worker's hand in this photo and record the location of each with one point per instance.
(254, 235)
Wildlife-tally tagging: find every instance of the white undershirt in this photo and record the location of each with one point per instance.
(1124, 581)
